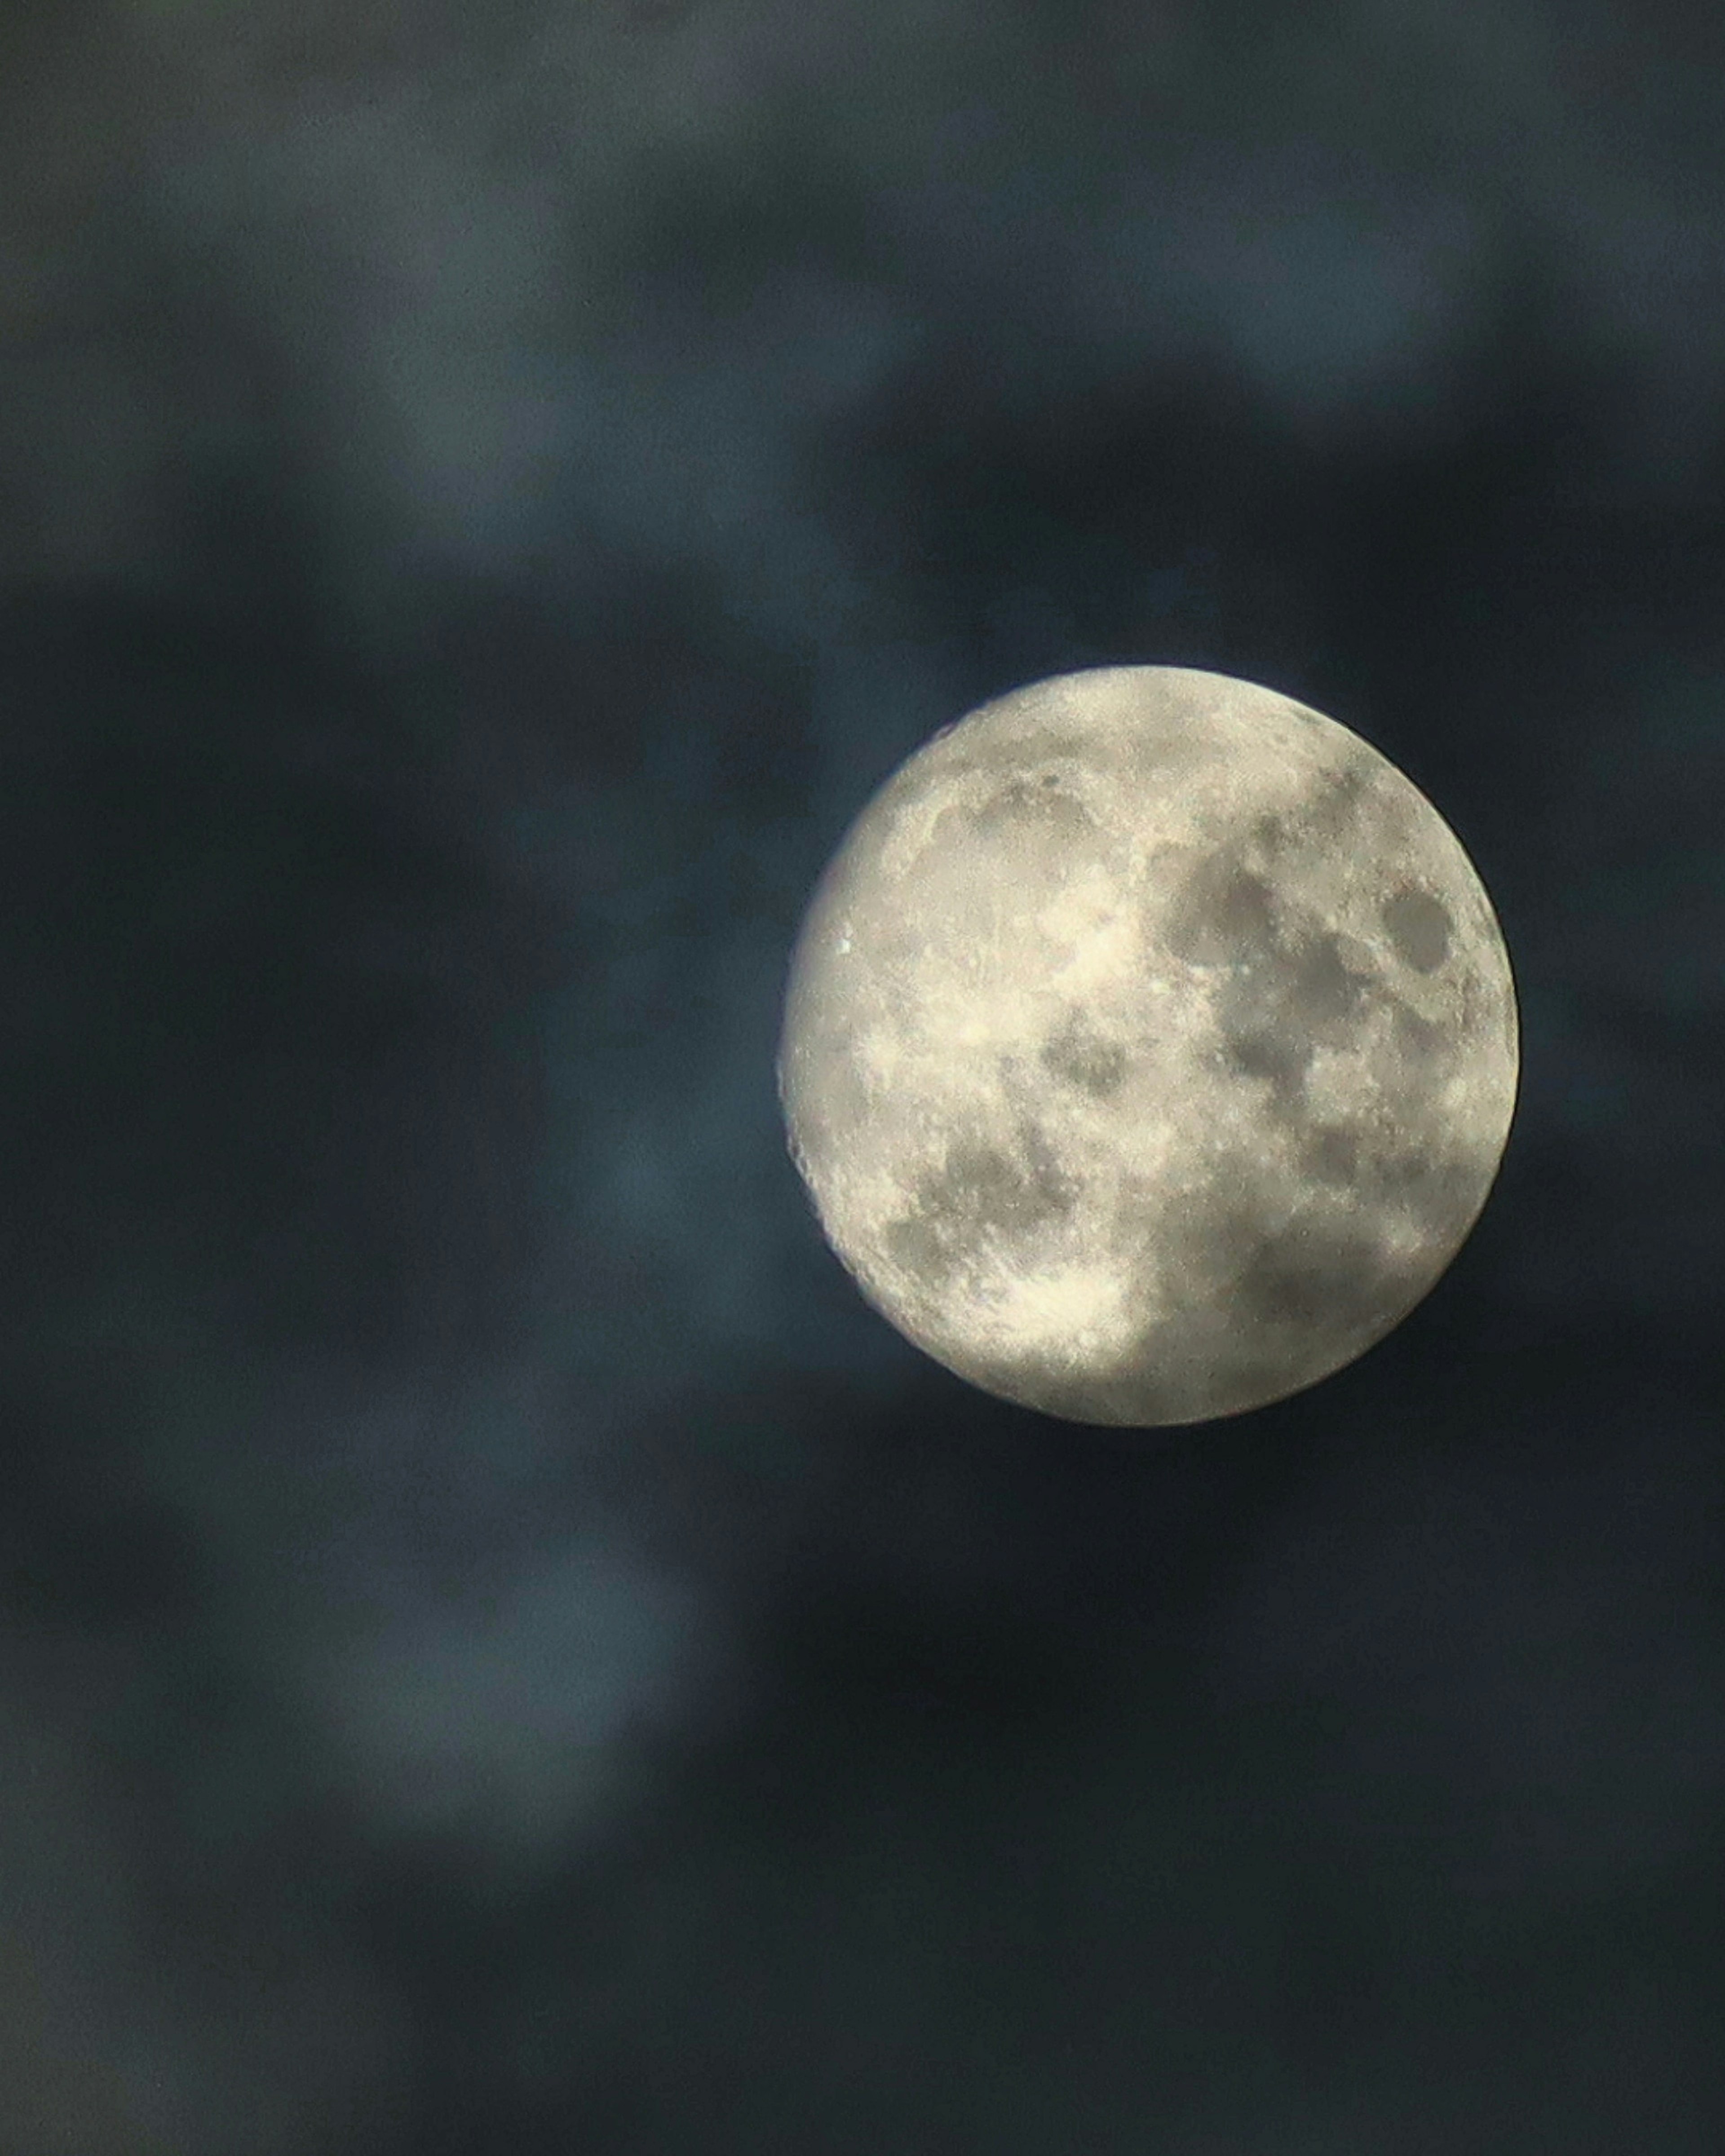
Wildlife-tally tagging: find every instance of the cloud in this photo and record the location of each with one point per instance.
(497, 1717)
(139, 2013)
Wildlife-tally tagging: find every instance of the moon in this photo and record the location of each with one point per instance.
(1150, 1047)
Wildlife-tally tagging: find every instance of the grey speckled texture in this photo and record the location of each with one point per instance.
(1150, 1047)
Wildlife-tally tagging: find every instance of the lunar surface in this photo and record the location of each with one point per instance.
(1150, 1047)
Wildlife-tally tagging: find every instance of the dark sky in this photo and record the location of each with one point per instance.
(501, 1650)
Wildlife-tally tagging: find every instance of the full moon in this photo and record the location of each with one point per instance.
(1150, 1047)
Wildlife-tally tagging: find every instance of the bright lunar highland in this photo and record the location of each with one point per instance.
(1150, 1047)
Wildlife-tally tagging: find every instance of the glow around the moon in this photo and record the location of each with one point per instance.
(1150, 1047)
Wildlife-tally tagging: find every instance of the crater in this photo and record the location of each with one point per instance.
(1222, 914)
(1275, 1052)
(1332, 1156)
(1094, 1065)
(1334, 803)
(1418, 1041)
(1341, 1285)
(1418, 927)
(978, 1188)
(1441, 1194)
(1042, 802)
(1324, 990)
(1274, 1017)
(916, 1242)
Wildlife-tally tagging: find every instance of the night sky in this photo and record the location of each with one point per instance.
(500, 1648)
